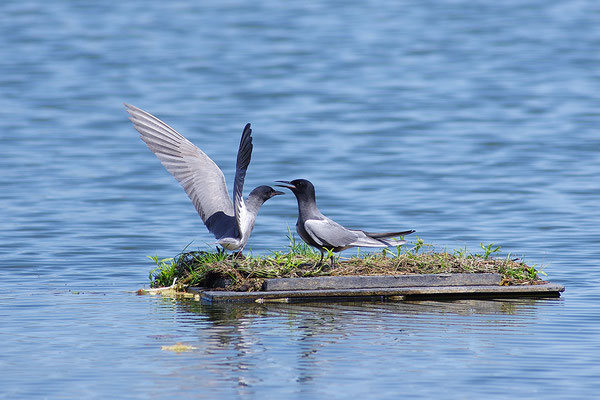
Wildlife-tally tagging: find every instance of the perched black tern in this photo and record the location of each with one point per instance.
(327, 235)
(203, 181)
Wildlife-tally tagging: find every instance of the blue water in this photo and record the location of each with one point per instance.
(468, 121)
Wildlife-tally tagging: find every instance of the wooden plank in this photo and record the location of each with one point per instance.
(380, 281)
(408, 293)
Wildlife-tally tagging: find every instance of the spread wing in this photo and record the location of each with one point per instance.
(200, 177)
(243, 160)
(329, 233)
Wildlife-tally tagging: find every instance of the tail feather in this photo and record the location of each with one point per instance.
(383, 239)
(380, 235)
(393, 242)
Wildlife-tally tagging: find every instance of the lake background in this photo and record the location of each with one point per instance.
(468, 121)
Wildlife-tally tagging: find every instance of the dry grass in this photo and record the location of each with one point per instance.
(221, 271)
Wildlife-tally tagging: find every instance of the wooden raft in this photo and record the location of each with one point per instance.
(388, 287)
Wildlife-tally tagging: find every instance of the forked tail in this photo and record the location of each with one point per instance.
(380, 235)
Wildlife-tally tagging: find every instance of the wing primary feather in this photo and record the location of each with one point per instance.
(243, 160)
(199, 176)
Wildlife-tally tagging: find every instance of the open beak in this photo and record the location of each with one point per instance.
(287, 185)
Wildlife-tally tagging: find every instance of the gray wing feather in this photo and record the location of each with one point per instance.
(243, 160)
(363, 240)
(329, 233)
(200, 177)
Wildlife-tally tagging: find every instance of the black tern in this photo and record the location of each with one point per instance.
(203, 181)
(327, 235)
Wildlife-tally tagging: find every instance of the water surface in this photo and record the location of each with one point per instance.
(468, 121)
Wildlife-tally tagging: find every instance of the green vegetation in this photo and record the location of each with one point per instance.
(246, 273)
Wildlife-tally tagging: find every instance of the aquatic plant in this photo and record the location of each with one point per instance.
(217, 269)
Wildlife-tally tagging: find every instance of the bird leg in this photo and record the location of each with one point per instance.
(321, 260)
(323, 256)
(238, 254)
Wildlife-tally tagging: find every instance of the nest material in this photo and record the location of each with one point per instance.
(238, 273)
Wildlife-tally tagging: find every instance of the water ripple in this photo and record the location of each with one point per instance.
(471, 123)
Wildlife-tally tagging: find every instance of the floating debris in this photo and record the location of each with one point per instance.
(178, 348)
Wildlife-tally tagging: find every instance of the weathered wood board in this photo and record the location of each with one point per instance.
(402, 287)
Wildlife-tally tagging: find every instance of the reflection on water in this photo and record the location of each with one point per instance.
(220, 313)
(233, 325)
(301, 346)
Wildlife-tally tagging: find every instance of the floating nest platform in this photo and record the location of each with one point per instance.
(297, 276)
(381, 288)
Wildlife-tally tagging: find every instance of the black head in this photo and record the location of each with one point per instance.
(264, 193)
(300, 187)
